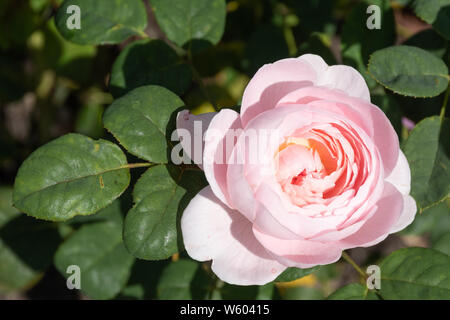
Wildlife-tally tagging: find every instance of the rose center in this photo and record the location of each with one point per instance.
(304, 165)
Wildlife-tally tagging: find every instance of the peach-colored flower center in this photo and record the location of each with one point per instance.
(314, 166)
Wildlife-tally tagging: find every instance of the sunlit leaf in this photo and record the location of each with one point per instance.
(72, 175)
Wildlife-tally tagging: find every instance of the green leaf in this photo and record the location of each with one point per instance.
(428, 154)
(436, 13)
(415, 273)
(27, 247)
(104, 262)
(184, 21)
(434, 220)
(151, 230)
(353, 291)
(7, 211)
(183, 280)
(291, 274)
(443, 244)
(103, 21)
(409, 71)
(139, 121)
(72, 175)
(149, 62)
(113, 212)
(442, 223)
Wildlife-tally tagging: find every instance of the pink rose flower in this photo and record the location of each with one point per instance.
(333, 178)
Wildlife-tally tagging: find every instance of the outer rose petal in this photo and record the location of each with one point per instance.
(407, 215)
(240, 192)
(214, 160)
(185, 120)
(299, 253)
(319, 65)
(273, 81)
(378, 227)
(340, 77)
(400, 176)
(212, 231)
(346, 79)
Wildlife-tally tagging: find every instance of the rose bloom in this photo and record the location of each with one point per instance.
(334, 177)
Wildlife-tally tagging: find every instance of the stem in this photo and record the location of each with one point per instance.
(354, 265)
(290, 41)
(216, 285)
(142, 34)
(138, 165)
(444, 105)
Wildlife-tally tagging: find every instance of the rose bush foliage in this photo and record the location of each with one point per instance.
(116, 155)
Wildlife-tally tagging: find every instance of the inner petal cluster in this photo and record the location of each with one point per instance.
(319, 163)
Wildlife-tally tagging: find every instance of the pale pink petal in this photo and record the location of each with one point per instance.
(319, 65)
(299, 253)
(273, 81)
(385, 139)
(341, 233)
(347, 79)
(378, 227)
(219, 142)
(376, 124)
(196, 127)
(408, 214)
(241, 196)
(340, 77)
(400, 176)
(272, 206)
(347, 111)
(212, 231)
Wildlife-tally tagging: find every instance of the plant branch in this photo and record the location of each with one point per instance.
(444, 104)
(358, 269)
(139, 165)
(290, 41)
